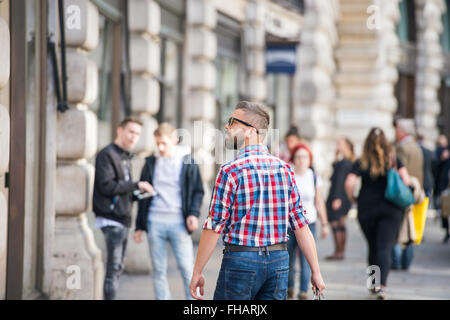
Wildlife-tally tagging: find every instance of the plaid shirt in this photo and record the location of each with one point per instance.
(255, 197)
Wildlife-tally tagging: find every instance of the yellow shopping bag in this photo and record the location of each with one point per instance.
(420, 218)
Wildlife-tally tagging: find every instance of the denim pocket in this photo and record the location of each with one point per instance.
(239, 284)
(282, 284)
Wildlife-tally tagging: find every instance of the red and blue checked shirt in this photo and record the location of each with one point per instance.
(255, 197)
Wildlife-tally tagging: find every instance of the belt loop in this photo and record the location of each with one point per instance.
(260, 251)
(267, 250)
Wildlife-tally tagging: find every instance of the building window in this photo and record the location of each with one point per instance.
(293, 5)
(171, 34)
(406, 28)
(405, 87)
(443, 121)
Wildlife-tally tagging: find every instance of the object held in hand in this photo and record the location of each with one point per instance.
(144, 195)
(318, 295)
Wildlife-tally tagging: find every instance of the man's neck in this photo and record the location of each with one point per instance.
(252, 142)
(117, 143)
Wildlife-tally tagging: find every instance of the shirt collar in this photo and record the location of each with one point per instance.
(405, 139)
(253, 148)
(122, 151)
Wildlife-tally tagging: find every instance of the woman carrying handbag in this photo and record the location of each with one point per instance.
(378, 217)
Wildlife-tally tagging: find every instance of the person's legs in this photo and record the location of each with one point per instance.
(183, 249)
(368, 227)
(342, 237)
(115, 239)
(334, 227)
(396, 255)
(445, 226)
(386, 236)
(275, 284)
(305, 272)
(157, 241)
(407, 256)
(292, 250)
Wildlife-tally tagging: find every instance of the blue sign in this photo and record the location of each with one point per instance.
(281, 58)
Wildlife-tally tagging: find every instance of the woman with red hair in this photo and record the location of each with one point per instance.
(309, 185)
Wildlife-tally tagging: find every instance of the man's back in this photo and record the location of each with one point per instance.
(410, 154)
(254, 200)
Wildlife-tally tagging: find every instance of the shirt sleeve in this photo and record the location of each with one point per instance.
(356, 168)
(297, 218)
(221, 201)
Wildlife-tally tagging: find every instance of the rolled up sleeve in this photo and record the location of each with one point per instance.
(221, 202)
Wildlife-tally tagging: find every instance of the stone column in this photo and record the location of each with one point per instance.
(4, 141)
(144, 18)
(429, 63)
(366, 56)
(77, 266)
(199, 104)
(314, 91)
(254, 44)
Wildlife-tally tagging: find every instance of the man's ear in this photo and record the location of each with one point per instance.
(119, 131)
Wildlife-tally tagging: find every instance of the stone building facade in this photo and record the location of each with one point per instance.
(358, 63)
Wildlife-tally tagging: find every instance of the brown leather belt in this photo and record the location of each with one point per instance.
(237, 248)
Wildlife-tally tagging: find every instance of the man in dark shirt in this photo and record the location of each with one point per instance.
(113, 195)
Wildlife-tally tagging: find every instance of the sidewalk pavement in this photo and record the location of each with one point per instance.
(428, 277)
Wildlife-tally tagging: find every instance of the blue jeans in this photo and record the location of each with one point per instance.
(116, 244)
(253, 276)
(158, 236)
(402, 258)
(305, 271)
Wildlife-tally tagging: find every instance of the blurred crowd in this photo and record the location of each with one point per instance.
(389, 228)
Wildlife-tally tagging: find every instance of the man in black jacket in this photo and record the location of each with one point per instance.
(113, 195)
(172, 214)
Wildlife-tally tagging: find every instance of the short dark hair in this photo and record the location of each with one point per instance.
(127, 120)
(261, 118)
(293, 131)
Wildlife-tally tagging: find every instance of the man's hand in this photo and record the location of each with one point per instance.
(198, 281)
(144, 186)
(317, 282)
(192, 223)
(138, 236)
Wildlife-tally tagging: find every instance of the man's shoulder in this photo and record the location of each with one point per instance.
(254, 162)
(106, 151)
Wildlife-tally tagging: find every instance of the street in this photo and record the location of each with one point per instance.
(428, 277)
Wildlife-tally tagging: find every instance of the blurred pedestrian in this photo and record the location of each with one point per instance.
(338, 203)
(309, 184)
(172, 214)
(429, 166)
(255, 198)
(379, 219)
(113, 195)
(442, 179)
(409, 152)
(291, 139)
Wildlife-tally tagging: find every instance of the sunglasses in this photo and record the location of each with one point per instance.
(232, 119)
